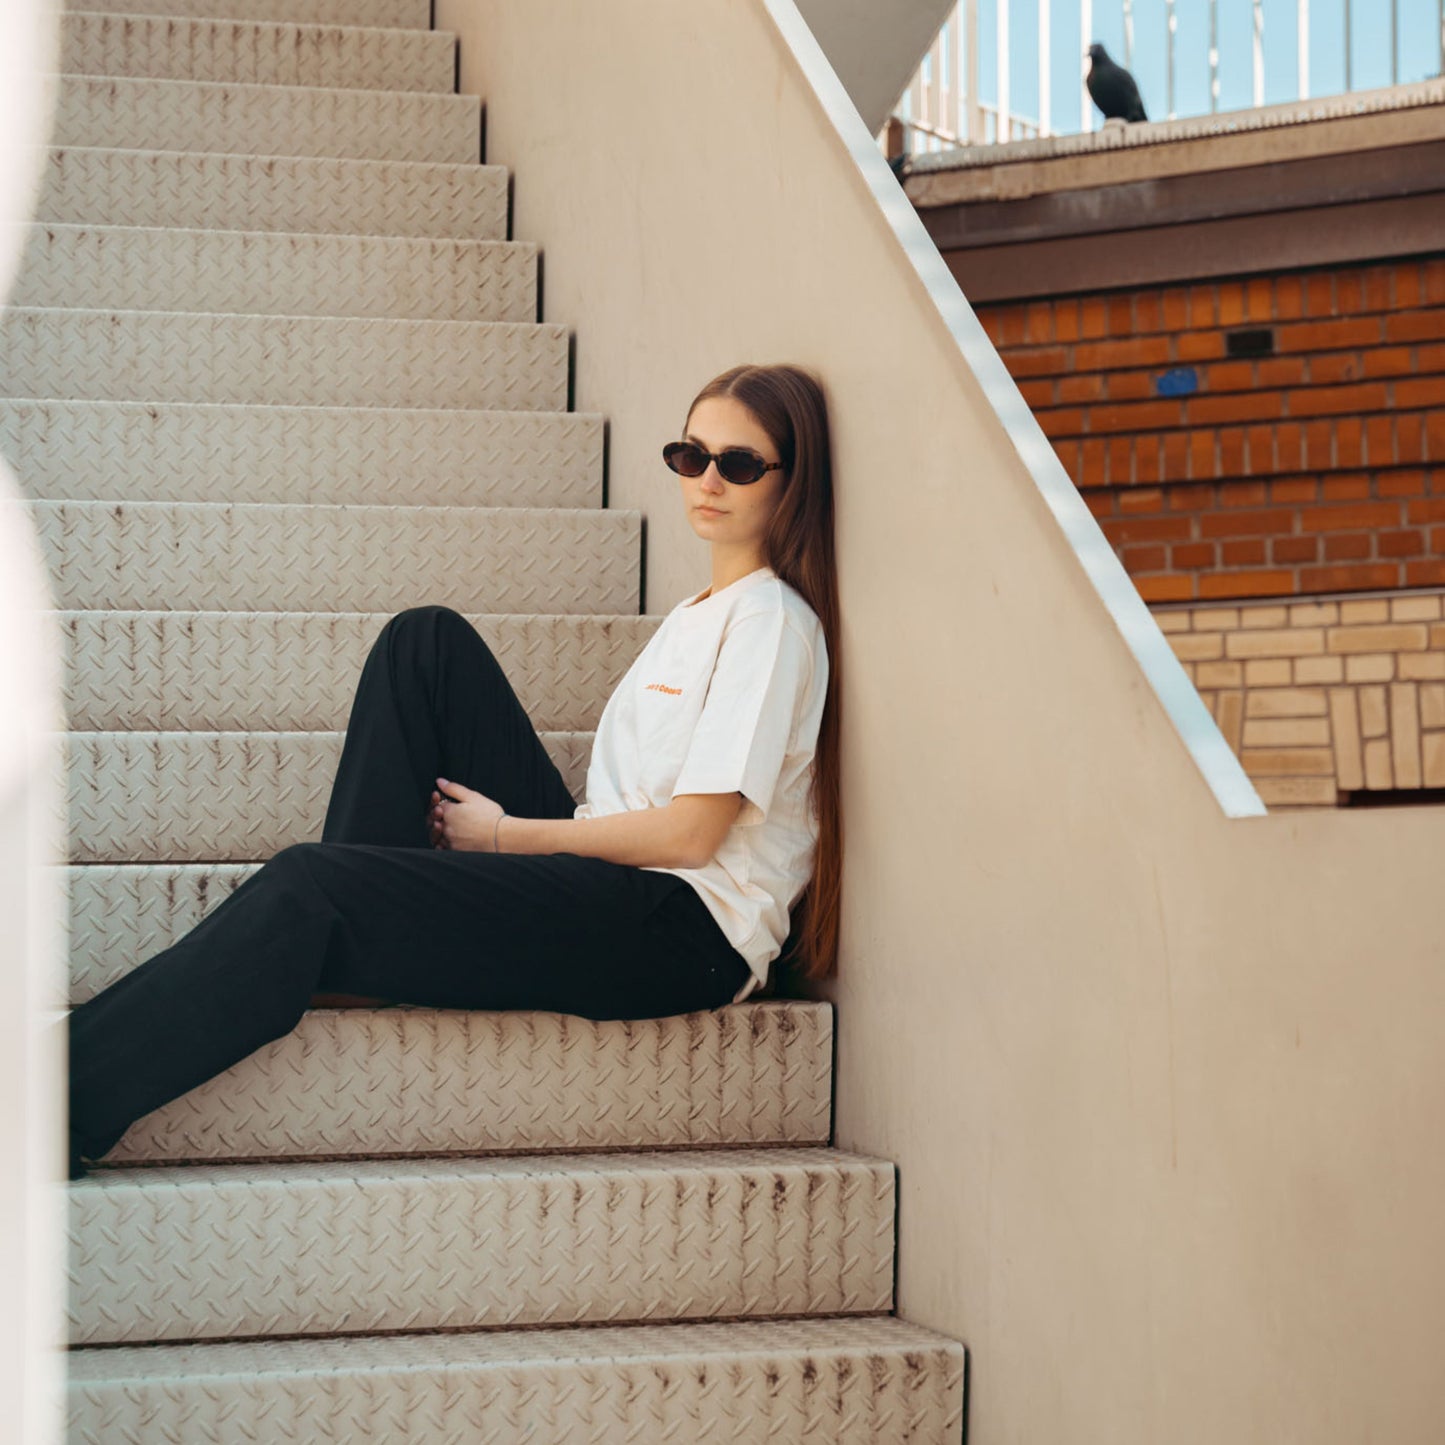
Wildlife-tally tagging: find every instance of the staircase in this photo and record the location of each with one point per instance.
(269, 354)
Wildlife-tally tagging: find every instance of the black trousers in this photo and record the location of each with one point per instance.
(374, 910)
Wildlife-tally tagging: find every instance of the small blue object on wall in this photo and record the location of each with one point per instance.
(1177, 381)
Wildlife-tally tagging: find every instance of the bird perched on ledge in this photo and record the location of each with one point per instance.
(1112, 87)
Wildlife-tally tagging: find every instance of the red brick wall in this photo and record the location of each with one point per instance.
(1318, 467)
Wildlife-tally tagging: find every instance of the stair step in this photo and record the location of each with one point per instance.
(214, 556)
(409, 1081)
(78, 354)
(268, 120)
(868, 1380)
(97, 185)
(220, 1251)
(297, 671)
(257, 52)
(139, 797)
(200, 452)
(405, 14)
(122, 913)
(267, 273)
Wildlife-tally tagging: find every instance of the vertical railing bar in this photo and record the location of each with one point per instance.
(1258, 56)
(1348, 57)
(1128, 34)
(1394, 42)
(1171, 24)
(1213, 55)
(1045, 67)
(935, 71)
(1086, 34)
(1046, 20)
(955, 73)
(1003, 95)
(1302, 24)
(975, 109)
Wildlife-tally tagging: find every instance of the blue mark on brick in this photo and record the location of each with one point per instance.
(1178, 381)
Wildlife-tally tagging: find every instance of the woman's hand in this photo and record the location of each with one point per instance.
(468, 824)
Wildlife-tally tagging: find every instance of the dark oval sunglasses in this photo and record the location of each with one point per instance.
(734, 464)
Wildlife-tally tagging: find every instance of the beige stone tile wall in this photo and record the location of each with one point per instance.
(1324, 697)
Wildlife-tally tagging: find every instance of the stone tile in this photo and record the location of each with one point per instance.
(1397, 637)
(1296, 792)
(1370, 667)
(1217, 619)
(1286, 702)
(1219, 674)
(1372, 610)
(1267, 672)
(1345, 725)
(1432, 705)
(1170, 622)
(1314, 614)
(1421, 666)
(1276, 642)
(1229, 714)
(1414, 609)
(1405, 734)
(1256, 617)
(1378, 773)
(1288, 762)
(1201, 647)
(1374, 720)
(1434, 757)
(1287, 732)
(1319, 669)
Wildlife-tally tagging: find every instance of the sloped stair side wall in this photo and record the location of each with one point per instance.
(1162, 1084)
(875, 46)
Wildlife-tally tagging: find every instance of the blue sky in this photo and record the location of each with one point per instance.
(1418, 47)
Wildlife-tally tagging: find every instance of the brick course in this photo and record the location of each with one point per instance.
(1318, 467)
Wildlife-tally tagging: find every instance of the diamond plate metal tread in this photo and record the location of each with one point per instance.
(405, 14)
(225, 797)
(866, 1380)
(198, 452)
(95, 185)
(265, 273)
(76, 355)
(404, 1081)
(216, 1251)
(213, 556)
(297, 671)
(271, 120)
(122, 913)
(256, 52)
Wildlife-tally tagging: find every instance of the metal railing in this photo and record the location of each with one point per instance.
(943, 105)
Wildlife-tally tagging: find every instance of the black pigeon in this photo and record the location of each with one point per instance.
(1112, 87)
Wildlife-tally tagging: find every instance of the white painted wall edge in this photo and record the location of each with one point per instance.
(32, 1100)
(1221, 769)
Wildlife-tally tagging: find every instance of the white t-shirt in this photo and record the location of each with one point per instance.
(726, 696)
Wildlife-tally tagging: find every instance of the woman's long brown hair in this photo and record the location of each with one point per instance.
(789, 405)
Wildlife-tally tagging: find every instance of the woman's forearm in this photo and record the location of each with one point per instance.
(641, 837)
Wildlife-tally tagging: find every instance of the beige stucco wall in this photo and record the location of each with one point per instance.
(1163, 1086)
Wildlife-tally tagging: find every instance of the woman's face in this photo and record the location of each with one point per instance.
(720, 511)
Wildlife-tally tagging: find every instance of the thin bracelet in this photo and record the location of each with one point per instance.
(497, 829)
